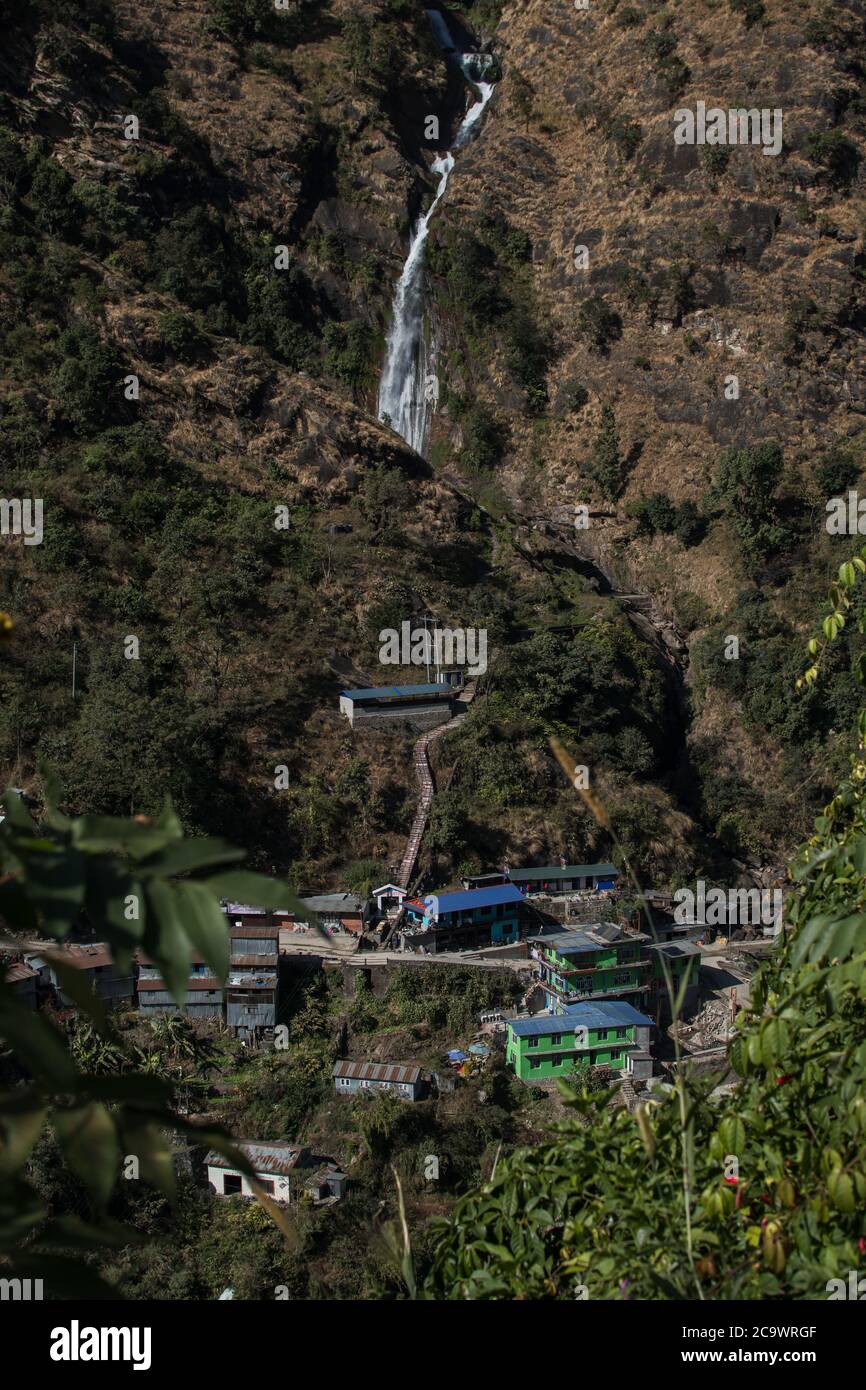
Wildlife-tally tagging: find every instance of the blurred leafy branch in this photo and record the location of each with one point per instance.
(142, 886)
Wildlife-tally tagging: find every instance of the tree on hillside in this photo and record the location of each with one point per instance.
(606, 464)
(522, 94)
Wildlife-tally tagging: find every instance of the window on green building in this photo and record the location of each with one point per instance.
(620, 1032)
(557, 1061)
(535, 1063)
(555, 1039)
(532, 1042)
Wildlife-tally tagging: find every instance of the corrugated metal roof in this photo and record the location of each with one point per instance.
(247, 932)
(396, 692)
(18, 971)
(574, 943)
(244, 910)
(676, 948)
(474, 897)
(598, 1014)
(608, 932)
(568, 871)
(376, 1071)
(333, 902)
(278, 1157)
(82, 957)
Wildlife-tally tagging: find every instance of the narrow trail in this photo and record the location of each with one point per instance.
(424, 778)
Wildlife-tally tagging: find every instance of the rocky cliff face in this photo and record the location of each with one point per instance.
(693, 299)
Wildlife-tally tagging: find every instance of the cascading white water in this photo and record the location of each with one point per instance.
(405, 393)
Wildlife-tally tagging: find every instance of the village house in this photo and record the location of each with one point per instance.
(110, 984)
(20, 977)
(388, 897)
(611, 1033)
(683, 960)
(400, 1079)
(203, 997)
(601, 961)
(659, 911)
(417, 707)
(552, 879)
(338, 912)
(326, 1185)
(463, 921)
(252, 988)
(273, 1163)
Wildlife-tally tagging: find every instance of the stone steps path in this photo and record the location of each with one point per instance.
(424, 778)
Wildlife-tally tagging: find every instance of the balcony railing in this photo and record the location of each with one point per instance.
(592, 969)
(575, 995)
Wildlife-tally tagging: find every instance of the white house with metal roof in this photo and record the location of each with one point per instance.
(273, 1163)
(419, 706)
(403, 1080)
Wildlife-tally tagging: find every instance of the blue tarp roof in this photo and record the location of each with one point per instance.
(395, 692)
(597, 1014)
(476, 897)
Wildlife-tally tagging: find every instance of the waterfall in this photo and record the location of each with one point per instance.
(407, 389)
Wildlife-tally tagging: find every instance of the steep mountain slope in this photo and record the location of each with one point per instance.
(160, 258)
(644, 275)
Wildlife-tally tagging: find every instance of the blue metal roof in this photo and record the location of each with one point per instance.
(475, 897)
(597, 1014)
(395, 692)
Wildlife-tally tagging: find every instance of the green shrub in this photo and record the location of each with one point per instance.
(350, 353)
(658, 513)
(836, 154)
(606, 465)
(573, 397)
(752, 11)
(840, 468)
(182, 336)
(483, 438)
(88, 382)
(715, 159)
(690, 527)
(598, 323)
(624, 134)
(54, 207)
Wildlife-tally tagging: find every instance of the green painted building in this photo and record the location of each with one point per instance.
(596, 962)
(612, 1034)
(684, 962)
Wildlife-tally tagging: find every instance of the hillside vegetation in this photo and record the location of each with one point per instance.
(197, 424)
